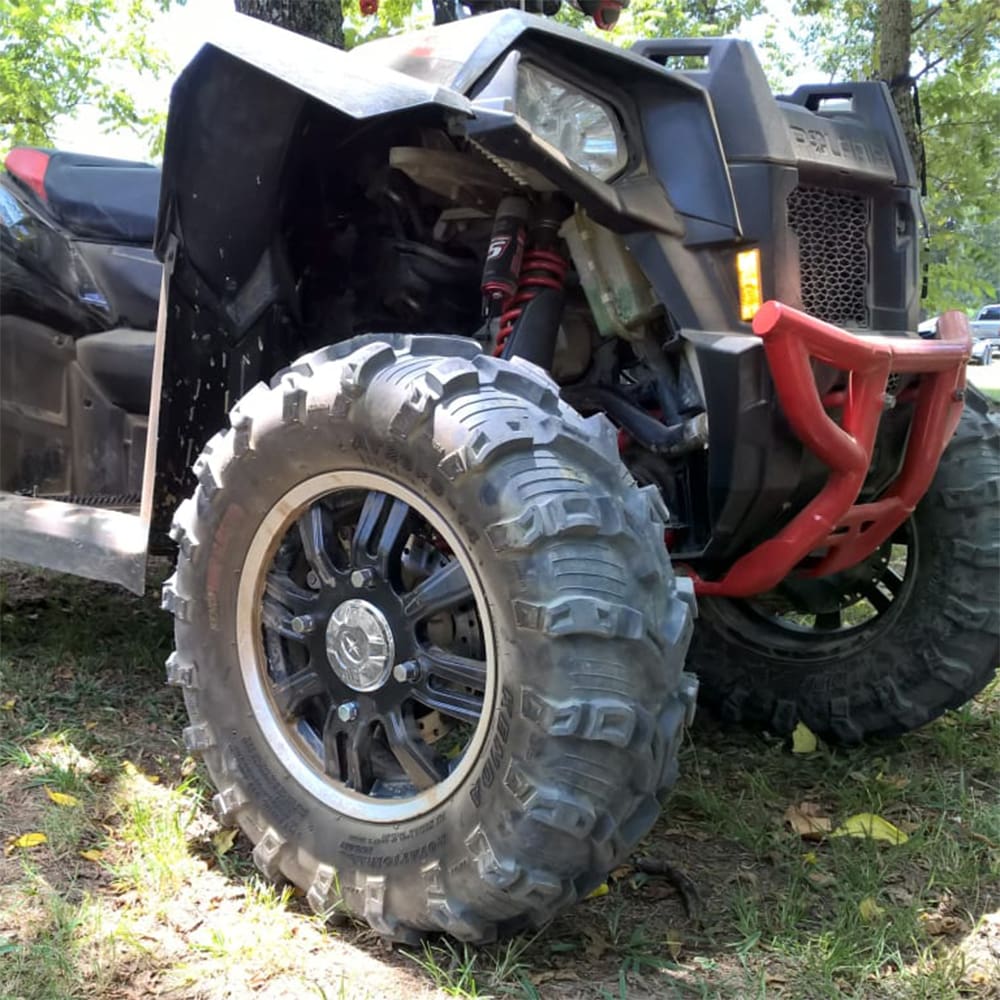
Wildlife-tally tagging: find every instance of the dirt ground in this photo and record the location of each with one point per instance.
(168, 905)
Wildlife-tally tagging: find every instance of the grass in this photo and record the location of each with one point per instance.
(135, 894)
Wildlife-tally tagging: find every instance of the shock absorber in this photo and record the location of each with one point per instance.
(504, 257)
(529, 324)
(535, 309)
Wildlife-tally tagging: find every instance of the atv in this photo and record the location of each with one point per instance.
(458, 335)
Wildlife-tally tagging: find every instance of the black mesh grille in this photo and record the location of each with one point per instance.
(832, 228)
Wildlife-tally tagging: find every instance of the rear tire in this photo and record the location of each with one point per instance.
(940, 647)
(583, 634)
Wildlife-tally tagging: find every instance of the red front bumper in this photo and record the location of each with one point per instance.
(833, 531)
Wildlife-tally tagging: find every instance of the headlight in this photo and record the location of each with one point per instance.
(583, 129)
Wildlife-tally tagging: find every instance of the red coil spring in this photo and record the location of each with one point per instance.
(541, 269)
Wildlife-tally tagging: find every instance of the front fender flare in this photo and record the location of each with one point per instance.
(234, 111)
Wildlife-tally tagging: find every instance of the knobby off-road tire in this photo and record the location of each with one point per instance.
(942, 643)
(579, 734)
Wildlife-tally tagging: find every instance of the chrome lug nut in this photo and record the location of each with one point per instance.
(362, 578)
(348, 711)
(312, 580)
(303, 624)
(406, 673)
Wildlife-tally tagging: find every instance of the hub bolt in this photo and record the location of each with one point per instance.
(362, 578)
(348, 711)
(406, 673)
(304, 624)
(312, 580)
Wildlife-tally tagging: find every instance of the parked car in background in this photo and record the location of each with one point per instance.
(986, 326)
(985, 334)
(983, 351)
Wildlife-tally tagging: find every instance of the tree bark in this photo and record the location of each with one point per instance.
(319, 19)
(895, 44)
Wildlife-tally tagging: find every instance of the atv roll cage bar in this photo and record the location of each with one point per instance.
(832, 532)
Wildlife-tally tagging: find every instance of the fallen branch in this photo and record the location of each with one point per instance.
(694, 906)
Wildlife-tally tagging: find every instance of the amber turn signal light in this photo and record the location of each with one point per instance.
(748, 276)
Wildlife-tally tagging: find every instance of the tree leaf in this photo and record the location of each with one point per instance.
(8, 705)
(601, 890)
(807, 820)
(674, 944)
(61, 798)
(803, 739)
(92, 855)
(869, 910)
(870, 827)
(223, 840)
(25, 842)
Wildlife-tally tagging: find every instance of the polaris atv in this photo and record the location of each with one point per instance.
(459, 334)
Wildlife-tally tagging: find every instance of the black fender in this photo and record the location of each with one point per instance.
(233, 113)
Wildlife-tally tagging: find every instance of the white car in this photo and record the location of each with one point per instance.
(983, 347)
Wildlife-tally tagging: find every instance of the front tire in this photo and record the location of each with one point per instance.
(931, 645)
(412, 538)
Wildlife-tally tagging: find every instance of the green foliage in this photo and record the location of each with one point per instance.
(643, 19)
(393, 18)
(58, 55)
(956, 63)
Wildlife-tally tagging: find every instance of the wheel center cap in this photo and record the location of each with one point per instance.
(359, 645)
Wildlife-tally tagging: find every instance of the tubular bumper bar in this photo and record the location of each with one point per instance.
(832, 528)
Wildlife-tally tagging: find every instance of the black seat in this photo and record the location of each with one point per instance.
(121, 362)
(103, 199)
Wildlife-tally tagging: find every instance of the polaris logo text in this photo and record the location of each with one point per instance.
(840, 147)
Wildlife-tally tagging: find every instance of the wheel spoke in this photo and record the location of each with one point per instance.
(278, 620)
(451, 667)
(380, 534)
(291, 693)
(443, 589)
(876, 598)
(828, 621)
(359, 757)
(891, 579)
(456, 704)
(312, 531)
(415, 757)
(332, 728)
(281, 588)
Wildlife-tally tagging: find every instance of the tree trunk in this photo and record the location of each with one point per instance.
(895, 18)
(319, 19)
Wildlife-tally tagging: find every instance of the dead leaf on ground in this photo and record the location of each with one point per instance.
(601, 890)
(822, 880)
(92, 855)
(898, 781)
(869, 910)
(25, 842)
(807, 820)
(938, 924)
(223, 840)
(674, 945)
(596, 944)
(61, 798)
(870, 827)
(803, 739)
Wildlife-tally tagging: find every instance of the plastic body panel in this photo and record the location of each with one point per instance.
(842, 137)
(61, 432)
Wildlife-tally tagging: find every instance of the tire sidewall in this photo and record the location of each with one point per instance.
(487, 827)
